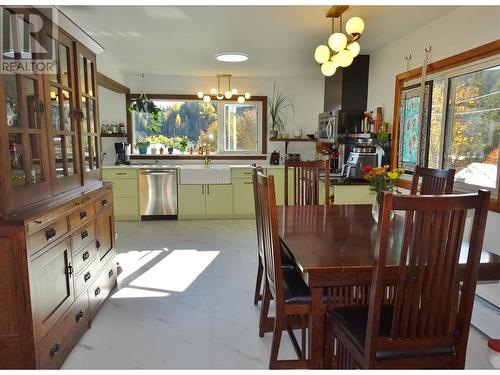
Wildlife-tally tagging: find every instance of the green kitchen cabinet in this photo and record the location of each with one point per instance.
(353, 194)
(191, 200)
(243, 200)
(219, 200)
(205, 201)
(125, 192)
(279, 184)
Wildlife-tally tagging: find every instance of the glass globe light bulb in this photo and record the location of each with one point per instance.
(220, 95)
(354, 25)
(206, 99)
(247, 95)
(322, 54)
(328, 69)
(354, 48)
(228, 94)
(337, 41)
(345, 58)
(234, 91)
(213, 91)
(241, 99)
(200, 94)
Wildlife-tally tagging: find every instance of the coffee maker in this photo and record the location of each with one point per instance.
(122, 153)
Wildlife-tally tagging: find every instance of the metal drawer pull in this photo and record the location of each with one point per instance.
(121, 173)
(110, 273)
(86, 277)
(247, 182)
(97, 291)
(79, 316)
(97, 244)
(38, 221)
(85, 256)
(83, 215)
(69, 270)
(84, 234)
(104, 202)
(55, 349)
(50, 233)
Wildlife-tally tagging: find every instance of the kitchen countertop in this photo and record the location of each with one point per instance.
(146, 165)
(335, 180)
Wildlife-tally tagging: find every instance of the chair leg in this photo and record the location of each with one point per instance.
(275, 346)
(258, 283)
(328, 346)
(264, 309)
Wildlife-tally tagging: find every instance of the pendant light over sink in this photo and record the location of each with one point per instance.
(341, 50)
(219, 94)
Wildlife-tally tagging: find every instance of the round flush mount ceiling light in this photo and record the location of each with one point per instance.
(232, 56)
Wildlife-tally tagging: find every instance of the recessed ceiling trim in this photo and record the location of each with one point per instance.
(231, 56)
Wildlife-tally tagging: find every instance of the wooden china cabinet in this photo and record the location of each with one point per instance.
(57, 238)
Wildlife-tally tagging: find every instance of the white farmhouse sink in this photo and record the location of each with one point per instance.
(205, 174)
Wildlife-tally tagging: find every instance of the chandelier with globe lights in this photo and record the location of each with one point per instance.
(220, 94)
(341, 49)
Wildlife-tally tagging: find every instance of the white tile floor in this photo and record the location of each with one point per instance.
(184, 301)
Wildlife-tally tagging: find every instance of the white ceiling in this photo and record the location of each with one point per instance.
(280, 40)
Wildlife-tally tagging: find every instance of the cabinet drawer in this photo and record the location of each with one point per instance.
(241, 172)
(110, 174)
(58, 343)
(86, 277)
(101, 288)
(84, 257)
(82, 237)
(43, 221)
(103, 202)
(82, 215)
(47, 235)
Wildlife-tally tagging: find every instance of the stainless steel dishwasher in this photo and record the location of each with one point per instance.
(158, 193)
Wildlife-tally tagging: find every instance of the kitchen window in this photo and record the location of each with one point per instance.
(464, 129)
(228, 127)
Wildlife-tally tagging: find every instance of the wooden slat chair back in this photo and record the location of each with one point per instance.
(431, 309)
(306, 182)
(434, 181)
(258, 224)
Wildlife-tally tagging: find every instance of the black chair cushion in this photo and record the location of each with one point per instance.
(295, 289)
(354, 320)
(286, 262)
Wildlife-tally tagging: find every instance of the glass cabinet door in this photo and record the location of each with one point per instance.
(22, 124)
(62, 116)
(88, 115)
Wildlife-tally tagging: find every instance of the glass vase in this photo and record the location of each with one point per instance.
(375, 212)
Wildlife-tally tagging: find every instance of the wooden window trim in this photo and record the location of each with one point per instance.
(262, 156)
(474, 54)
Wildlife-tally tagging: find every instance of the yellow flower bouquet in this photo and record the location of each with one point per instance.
(382, 179)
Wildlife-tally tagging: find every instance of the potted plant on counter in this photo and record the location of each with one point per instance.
(278, 104)
(142, 145)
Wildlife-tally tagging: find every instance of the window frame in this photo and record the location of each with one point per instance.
(221, 155)
(456, 65)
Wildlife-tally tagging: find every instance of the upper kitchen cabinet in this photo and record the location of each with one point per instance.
(25, 176)
(87, 101)
(62, 115)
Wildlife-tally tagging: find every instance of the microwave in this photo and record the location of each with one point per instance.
(337, 124)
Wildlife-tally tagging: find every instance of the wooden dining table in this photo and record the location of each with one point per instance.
(334, 246)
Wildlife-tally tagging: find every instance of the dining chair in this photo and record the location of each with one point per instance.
(306, 175)
(434, 181)
(286, 261)
(428, 323)
(285, 286)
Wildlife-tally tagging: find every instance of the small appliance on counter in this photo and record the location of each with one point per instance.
(275, 158)
(122, 153)
(359, 158)
(293, 157)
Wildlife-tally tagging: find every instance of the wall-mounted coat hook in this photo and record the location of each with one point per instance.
(408, 59)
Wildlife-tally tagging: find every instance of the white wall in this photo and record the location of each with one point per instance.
(462, 29)
(111, 111)
(306, 95)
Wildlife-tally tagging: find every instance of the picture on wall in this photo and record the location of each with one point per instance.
(413, 136)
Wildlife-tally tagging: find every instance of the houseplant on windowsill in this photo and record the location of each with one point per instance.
(278, 104)
(381, 179)
(142, 145)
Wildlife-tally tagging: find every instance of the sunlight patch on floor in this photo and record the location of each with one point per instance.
(177, 271)
(138, 293)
